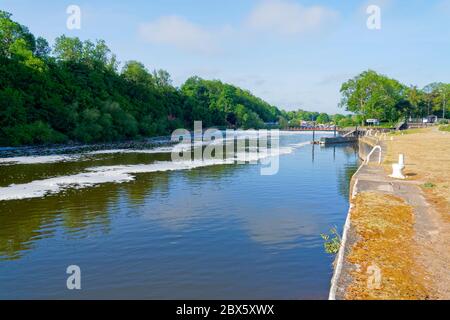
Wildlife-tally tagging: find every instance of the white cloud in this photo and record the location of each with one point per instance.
(444, 6)
(289, 18)
(178, 32)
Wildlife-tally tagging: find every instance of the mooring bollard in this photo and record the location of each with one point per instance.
(401, 159)
(397, 168)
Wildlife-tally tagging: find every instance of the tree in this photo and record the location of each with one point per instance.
(338, 117)
(11, 32)
(444, 91)
(282, 122)
(43, 49)
(416, 98)
(68, 49)
(162, 78)
(323, 118)
(372, 95)
(136, 72)
(437, 98)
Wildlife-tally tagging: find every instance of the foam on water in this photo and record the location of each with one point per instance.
(38, 159)
(301, 144)
(120, 174)
(291, 133)
(84, 156)
(180, 147)
(149, 151)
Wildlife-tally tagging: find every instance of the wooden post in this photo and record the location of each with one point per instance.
(314, 132)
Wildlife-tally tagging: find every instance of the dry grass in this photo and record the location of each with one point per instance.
(384, 225)
(427, 159)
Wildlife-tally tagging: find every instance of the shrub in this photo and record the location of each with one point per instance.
(332, 241)
(429, 185)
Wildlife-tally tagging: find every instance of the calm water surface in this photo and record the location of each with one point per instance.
(221, 231)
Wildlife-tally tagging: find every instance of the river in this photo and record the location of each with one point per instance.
(141, 227)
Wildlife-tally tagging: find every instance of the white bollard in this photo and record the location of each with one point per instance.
(401, 159)
(397, 168)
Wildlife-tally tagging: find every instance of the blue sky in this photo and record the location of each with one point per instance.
(292, 53)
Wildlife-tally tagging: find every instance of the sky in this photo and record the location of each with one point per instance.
(292, 53)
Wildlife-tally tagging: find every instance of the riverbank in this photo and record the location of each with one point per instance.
(396, 239)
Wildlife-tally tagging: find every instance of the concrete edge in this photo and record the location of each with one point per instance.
(340, 256)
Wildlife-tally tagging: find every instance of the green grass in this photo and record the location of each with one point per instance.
(445, 128)
(429, 185)
(408, 131)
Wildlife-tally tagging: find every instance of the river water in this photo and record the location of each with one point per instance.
(139, 226)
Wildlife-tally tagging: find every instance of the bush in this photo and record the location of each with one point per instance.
(346, 122)
(34, 133)
(332, 241)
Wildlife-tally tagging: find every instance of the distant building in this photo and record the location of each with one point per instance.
(430, 119)
(374, 122)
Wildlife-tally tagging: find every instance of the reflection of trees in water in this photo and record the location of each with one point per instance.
(24, 173)
(81, 212)
(21, 224)
(145, 184)
(350, 150)
(197, 194)
(345, 173)
(344, 176)
(216, 172)
(26, 221)
(20, 173)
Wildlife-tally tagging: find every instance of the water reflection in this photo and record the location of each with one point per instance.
(283, 229)
(220, 223)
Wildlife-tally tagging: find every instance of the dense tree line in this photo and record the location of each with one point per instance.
(372, 95)
(75, 92)
(296, 118)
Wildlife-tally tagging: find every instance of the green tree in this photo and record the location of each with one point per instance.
(282, 122)
(372, 95)
(43, 49)
(11, 32)
(162, 78)
(68, 49)
(136, 72)
(323, 118)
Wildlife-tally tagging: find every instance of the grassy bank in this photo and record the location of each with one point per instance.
(401, 228)
(384, 225)
(427, 156)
